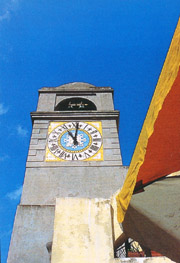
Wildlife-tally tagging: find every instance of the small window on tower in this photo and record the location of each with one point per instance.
(72, 104)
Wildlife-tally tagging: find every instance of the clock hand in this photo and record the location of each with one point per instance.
(75, 137)
(70, 133)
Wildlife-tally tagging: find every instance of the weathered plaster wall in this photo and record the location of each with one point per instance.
(82, 231)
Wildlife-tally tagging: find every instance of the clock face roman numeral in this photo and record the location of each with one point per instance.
(96, 139)
(95, 131)
(85, 126)
(57, 152)
(53, 147)
(86, 155)
(63, 154)
(74, 157)
(64, 127)
(94, 147)
(74, 124)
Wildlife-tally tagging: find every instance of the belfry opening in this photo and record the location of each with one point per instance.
(75, 103)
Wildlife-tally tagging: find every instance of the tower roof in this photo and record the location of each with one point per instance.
(75, 86)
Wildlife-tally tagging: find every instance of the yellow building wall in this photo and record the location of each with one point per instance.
(82, 231)
(85, 230)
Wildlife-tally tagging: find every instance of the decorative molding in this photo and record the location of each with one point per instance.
(80, 90)
(74, 115)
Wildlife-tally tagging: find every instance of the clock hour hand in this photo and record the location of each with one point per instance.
(70, 133)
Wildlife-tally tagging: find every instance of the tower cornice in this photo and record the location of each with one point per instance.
(75, 87)
(76, 91)
(74, 115)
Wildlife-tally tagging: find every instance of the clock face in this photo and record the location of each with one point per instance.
(74, 141)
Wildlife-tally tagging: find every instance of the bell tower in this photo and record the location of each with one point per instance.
(74, 152)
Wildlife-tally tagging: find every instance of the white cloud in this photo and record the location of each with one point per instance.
(9, 7)
(3, 157)
(22, 131)
(3, 109)
(5, 16)
(14, 195)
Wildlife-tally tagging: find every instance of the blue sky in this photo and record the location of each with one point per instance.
(120, 43)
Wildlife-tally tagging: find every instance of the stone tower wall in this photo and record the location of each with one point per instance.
(46, 181)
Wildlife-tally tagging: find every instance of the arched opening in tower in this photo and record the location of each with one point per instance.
(75, 103)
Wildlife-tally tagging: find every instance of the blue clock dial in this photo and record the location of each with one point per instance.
(67, 141)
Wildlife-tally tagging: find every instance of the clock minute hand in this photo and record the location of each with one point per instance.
(75, 137)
